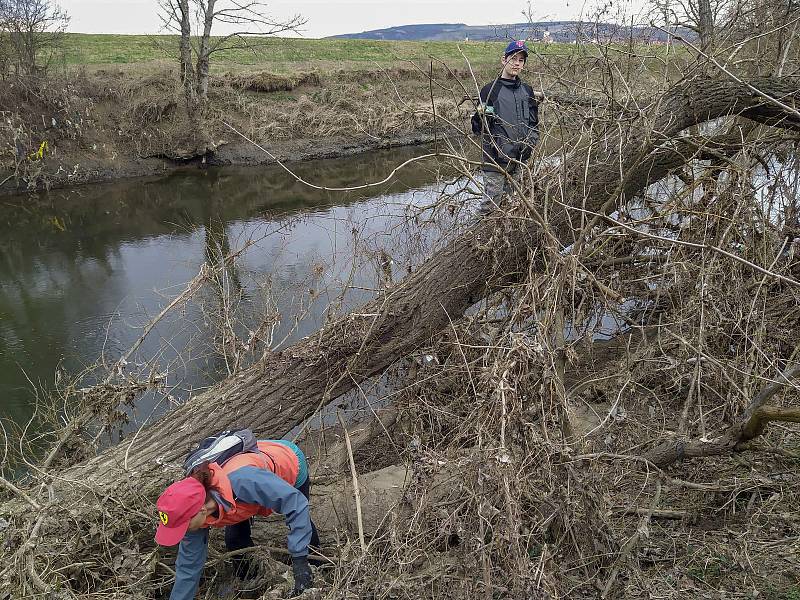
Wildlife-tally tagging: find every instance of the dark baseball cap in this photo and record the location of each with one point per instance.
(516, 46)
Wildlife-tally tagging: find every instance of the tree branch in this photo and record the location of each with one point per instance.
(751, 425)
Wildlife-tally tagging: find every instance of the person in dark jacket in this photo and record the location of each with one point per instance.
(507, 119)
(273, 479)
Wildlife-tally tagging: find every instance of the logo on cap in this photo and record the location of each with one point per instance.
(163, 517)
(515, 46)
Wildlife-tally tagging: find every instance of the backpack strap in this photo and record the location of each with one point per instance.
(494, 92)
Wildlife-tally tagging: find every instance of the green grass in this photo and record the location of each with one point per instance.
(790, 593)
(280, 54)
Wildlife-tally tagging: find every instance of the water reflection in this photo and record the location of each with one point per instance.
(81, 271)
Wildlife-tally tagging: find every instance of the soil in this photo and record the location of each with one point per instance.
(311, 149)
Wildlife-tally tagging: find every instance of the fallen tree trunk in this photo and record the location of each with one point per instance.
(286, 387)
(383, 497)
(327, 450)
(333, 507)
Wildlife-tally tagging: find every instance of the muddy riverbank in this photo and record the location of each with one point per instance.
(113, 124)
(228, 154)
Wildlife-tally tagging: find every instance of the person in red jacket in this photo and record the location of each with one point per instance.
(272, 479)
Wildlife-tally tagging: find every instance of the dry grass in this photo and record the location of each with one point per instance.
(264, 81)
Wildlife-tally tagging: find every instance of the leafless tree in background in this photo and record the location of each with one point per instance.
(700, 16)
(194, 21)
(725, 29)
(32, 31)
(780, 16)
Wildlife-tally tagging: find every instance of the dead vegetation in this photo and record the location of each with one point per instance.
(617, 417)
(264, 81)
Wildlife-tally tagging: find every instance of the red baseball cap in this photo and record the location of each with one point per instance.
(176, 506)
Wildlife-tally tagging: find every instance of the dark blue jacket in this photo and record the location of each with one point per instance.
(512, 121)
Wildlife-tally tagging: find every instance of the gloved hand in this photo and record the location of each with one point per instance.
(303, 579)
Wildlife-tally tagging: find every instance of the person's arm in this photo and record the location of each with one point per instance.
(533, 121)
(257, 486)
(192, 553)
(480, 115)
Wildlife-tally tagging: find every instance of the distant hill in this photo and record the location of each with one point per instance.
(555, 31)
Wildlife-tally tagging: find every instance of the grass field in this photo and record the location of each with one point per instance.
(281, 54)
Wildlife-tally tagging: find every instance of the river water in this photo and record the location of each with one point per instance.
(82, 271)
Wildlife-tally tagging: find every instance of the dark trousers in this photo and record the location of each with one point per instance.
(239, 536)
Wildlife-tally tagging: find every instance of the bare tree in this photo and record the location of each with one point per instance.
(194, 21)
(35, 29)
(705, 18)
(729, 24)
(700, 16)
(780, 16)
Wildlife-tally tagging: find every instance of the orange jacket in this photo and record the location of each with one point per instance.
(273, 457)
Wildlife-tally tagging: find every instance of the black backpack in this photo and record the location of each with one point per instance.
(220, 448)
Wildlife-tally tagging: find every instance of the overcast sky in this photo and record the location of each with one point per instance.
(329, 17)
